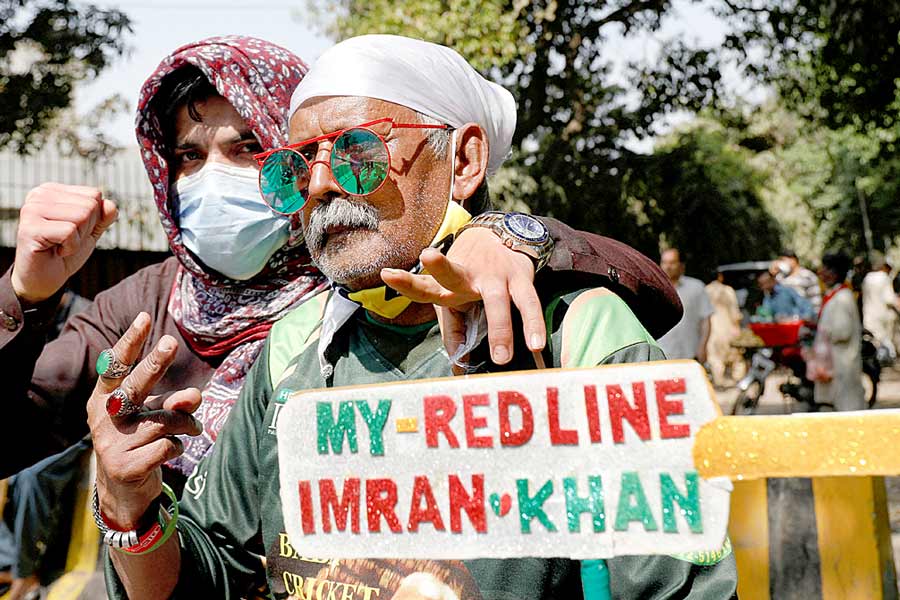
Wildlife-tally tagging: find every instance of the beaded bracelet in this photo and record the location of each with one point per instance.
(134, 542)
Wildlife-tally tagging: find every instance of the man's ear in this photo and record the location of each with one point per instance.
(471, 161)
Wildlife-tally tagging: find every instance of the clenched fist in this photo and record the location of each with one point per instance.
(59, 226)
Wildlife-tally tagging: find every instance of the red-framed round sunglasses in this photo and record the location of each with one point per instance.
(359, 163)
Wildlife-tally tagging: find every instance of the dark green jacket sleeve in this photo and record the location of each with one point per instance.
(660, 577)
(219, 527)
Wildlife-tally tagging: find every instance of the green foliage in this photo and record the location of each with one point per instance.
(700, 193)
(46, 46)
(816, 181)
(837, 61)
(487, 33)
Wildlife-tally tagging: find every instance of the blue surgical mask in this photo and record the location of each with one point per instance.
(224, 221)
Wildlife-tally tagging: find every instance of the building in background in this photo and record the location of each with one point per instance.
(134, 241)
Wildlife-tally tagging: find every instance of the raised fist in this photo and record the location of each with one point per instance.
(59, 226)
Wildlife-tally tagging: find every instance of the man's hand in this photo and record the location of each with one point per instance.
(131, 449)
(478, 267)
(59, 225)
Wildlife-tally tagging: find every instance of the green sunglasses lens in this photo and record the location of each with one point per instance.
(359, 161)
(284, 181)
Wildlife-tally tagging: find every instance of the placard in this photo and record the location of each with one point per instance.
(579, 463)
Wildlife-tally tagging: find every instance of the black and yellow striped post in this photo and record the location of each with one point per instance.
(809, 510)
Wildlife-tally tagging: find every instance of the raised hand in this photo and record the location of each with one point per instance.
(59, 226)
(131, 449)
(478, 267)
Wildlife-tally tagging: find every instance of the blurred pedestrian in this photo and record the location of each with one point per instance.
(839, 339)
(780, 302)
(37, 518)
(724, 327)
(880, 304)
(688, 339)
(800, 279)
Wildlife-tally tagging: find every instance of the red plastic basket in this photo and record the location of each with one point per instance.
(778, 334)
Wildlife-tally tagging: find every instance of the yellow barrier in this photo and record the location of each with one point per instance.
(84, 545)
(748, 528)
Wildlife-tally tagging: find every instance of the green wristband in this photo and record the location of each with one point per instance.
(168, 527)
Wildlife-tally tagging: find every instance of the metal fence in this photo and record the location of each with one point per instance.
(122, 179)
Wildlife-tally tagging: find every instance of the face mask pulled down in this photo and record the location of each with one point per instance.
(225, 223)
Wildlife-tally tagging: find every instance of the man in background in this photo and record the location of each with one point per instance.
(800, 279)
(689, 337)
(838, 343)
(725, 325)
(781, 302)
(879, 304)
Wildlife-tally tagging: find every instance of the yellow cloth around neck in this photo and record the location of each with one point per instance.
(387, 303)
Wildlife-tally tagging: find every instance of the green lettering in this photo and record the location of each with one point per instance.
(575, 505)
(689, 503)
(334, 431)
(376, 424)
(531, 507)
(633, 504)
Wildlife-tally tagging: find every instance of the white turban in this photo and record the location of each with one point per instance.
(431, 79)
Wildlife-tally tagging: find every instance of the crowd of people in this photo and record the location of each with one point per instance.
(837, 306)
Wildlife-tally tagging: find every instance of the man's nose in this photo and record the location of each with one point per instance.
(321, 184)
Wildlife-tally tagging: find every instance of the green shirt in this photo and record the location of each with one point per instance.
(232, 535)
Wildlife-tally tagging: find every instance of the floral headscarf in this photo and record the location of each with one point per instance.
(217, 316)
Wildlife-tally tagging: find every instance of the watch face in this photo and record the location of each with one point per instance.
(525, 226)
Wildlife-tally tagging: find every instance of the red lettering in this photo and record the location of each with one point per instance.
(348, 503)
(470, 401)
(473, 505)
(508, 437)
(593, 413)
(307, 519)
(381, 499)
(671, 407)
(558, 437)
(430, 513)
(619, 409)
(439, 411)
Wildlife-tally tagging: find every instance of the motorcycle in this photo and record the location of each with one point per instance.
(781, 348)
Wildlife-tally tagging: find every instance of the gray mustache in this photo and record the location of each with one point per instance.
(339, 212)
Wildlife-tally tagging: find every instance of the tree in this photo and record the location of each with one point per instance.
(813, 181)
(46, 46)
(701, 193)
(836, 61)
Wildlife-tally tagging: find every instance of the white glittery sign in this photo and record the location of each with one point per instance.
(580, 463)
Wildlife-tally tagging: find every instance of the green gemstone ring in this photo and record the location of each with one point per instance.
(110, 367)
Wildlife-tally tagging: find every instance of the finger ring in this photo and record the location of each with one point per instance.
(118, 404)
(110, 367)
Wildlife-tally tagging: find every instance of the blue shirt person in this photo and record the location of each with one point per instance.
(782, 301)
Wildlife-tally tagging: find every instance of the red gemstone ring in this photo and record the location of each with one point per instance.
(118, 404)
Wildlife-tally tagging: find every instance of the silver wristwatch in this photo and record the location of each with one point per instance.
(520, 232)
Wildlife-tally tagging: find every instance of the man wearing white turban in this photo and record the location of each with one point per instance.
(391, 139)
